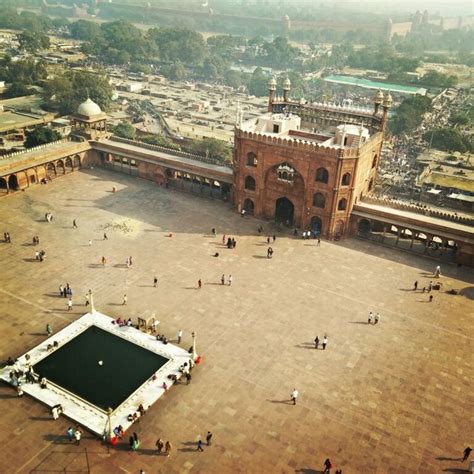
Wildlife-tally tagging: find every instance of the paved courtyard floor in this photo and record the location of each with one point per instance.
(392, 397)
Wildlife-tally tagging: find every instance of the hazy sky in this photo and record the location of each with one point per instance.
(445, 7)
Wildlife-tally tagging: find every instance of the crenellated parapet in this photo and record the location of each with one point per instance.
(297, 143)
(418, 209)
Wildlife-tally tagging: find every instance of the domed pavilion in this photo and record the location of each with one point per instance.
(89, 120)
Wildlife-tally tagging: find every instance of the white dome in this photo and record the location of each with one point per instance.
(89, 108)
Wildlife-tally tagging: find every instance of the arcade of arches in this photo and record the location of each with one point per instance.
(40, 173)
(408, 239)
(168, 177)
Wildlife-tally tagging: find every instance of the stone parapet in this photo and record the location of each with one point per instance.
(171, 151)
(419, 209)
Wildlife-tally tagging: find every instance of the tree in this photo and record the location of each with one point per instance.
(32, 41)
(459, 119)
(258, 85)
(124, 130)
(279, 53)
(213, 148)
(448, 139)
(175, 72)
(41, 135)
(181, 44)
(409, 114)
(18, 89)
(438, 79)
(233, 78)
(85, 30)
(160, 140)
(66, 91)
(23, 72)
(125, 37)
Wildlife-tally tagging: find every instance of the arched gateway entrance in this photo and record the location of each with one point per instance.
(284, 211)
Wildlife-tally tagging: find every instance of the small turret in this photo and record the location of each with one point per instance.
(286, 89)
(377, 100)
(387, 103)
(272, 84)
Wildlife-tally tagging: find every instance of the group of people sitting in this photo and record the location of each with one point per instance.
(135, 415)
(52, 346)
(162, 338)
(122, 322)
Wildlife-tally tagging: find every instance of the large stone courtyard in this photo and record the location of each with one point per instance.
(392, 397)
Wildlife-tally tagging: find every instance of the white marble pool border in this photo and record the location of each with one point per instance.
(82, 412)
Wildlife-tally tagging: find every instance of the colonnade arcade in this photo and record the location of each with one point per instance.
(39, 173)
(409, 239)
(169, 177)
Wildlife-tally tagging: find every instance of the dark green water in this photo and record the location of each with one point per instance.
(75, 367)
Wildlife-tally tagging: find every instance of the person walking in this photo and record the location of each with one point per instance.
(223, 239)
(168, 448)
(70, 434)
(159, 445)
(155, 282)
(136, 442)
(74, 225)
(199, 283)
(294, 395)
(316, 342)
(69, 304)
(77, 436)
(87, 299)
(104, 261)
(49, 329)
(199, 445)
(209, 438)
(222, 279)
(90, 242)
(369, 319)
(430, 299)
(325, 341)
(466, 453)
(230, 280)
(327, 466)
(180, 335)
(377, 318)
(124, 301)
(415, 285)
(319, 242)
(105, 236)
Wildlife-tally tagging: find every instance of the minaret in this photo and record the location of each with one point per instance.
(286, 89)
(272, 85)
(387, 103)
(378, 99)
